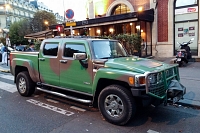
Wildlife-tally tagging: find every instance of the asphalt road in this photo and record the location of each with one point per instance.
(44, 113)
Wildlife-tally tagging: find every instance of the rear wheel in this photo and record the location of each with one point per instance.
(25, 85)
(180, 63)
(116, 104)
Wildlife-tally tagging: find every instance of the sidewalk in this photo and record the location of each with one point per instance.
(189, 75)
(5, 67)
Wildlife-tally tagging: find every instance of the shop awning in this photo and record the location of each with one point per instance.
(147, 15)
(40, 35)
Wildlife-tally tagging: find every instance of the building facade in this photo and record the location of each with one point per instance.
(15, 10)
(172, 21)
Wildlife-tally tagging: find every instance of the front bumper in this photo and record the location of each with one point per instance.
(174, 92)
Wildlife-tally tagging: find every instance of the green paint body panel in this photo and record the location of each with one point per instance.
(69, 73)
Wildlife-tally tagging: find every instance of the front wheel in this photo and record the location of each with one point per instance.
(116, 104)
(24, 83)
(179, 63)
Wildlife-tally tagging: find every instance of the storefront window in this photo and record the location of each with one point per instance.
(186, 24)
(180, 3)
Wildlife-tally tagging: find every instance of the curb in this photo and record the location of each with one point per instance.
(189, 105)
(5, 71)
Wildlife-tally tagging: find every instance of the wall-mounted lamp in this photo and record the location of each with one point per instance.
(98, 31)
(140, 8)
(89, 28)
(137, 27)
(111, 30)
(142, 31)
(131, 24)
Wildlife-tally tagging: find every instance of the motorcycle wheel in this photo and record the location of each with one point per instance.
(180, 63)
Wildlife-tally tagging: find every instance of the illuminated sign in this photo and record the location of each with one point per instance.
(186, 10)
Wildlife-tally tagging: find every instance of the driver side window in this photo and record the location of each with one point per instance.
(70, 49)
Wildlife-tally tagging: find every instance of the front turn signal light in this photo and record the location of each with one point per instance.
(131, 80)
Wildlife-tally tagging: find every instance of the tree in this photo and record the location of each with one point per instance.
(39, 19)
(18, 30)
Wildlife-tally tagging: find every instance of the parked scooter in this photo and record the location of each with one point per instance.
(184, 53)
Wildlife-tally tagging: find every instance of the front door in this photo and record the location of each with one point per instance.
(49, 64)
(73, 75)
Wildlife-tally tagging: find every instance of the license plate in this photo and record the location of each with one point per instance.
(179, 59)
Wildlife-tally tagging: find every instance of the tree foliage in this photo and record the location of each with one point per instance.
(18, 30)
(27, 26)
(132, 43)
(38, 22)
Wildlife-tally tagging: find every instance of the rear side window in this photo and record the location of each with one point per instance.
(50, 49)
(70, 49)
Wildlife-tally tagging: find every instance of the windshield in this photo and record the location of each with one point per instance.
(108, 49)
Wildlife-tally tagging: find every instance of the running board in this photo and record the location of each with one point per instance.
(65, 96)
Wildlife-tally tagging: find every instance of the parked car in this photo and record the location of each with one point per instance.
(9, 50)
(21, 48)
(99, 73)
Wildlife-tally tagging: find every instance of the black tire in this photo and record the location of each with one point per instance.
(118, 101)
(24, 83)
(180, 63)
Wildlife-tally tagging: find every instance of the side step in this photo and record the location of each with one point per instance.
(65, 96)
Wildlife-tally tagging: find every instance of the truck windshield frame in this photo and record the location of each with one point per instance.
(107, 49)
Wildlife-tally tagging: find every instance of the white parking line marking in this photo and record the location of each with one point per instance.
(77, 108)
(152, 131)
(50, 107)
(8, 87)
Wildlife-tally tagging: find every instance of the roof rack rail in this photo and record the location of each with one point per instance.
(77, 37)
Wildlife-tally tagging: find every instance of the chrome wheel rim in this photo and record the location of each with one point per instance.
(114, 106)
(22, 85)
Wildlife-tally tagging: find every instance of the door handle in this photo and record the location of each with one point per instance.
(42, 59)
(63, 61)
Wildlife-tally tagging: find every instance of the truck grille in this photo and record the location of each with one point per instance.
(157, 82)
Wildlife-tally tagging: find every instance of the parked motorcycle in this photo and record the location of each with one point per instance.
(184, 53)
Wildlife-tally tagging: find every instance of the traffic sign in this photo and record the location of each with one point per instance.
(70, 23)
(69, 14)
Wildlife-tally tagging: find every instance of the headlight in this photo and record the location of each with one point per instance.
(155, 78)
(152, 79)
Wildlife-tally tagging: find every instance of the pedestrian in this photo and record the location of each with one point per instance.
(4, 53)
(31, 47)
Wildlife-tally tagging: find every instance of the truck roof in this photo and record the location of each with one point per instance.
(77, 38)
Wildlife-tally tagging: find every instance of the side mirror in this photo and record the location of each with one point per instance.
(79, 56)
(192, 39)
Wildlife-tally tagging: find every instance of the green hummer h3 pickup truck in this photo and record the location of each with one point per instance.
(98, 72)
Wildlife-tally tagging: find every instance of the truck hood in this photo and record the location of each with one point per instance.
(139, 65)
